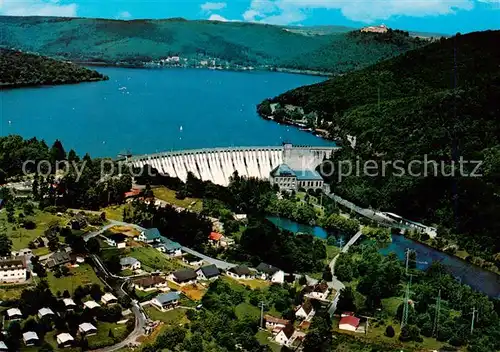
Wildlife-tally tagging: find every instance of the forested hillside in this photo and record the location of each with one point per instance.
(19, 69)
(257, 45)
(407, 108)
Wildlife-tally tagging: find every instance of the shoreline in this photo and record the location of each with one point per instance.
(235, 69)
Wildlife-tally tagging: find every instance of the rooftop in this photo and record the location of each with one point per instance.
(91, 304)
(45, 311)
(85, 327)
(184, 275)
(170, 245)
(30, 335)
(267, 269)
(64, 337)
(210, 271)
(214, 236)
(128, 261)
(149, 281)
(349, 320)
(167, 297)
(152, 234)
(240, 270)
(308, 175)
(270, 319)
(117, 237)
(282, 170)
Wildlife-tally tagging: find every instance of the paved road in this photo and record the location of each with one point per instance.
(110, 225)
(218, 263)
(336, 284)
(353, 240)
(140, 318)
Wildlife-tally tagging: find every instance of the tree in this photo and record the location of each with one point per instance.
(346, 300)
(327, 274)
(5, 245)
(28, 208)
(57, 152)
(389, 331)
(93, 246)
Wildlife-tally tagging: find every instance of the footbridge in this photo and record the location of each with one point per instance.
(218, 164)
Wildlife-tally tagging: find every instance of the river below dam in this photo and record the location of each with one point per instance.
(479, 279)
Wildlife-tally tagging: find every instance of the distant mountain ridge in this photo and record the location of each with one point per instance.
(237, 43)
(18, 69)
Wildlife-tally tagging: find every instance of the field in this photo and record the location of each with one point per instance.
(21, 237)
(168, 196)
(11, 292)
(80, 276)
(126, 230)
(118, 332)
(174, 316)
(152, 260)
(263, 337)
(114, 212)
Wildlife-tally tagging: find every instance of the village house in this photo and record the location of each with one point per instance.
(166, 300)
(45, 312)
(151, 283)
(78, 222)
(30, 338)
(150, 236)
(284, 336)
(349, 323)
(219, 240)
(69, 303)
(3, 346)
(22, 252)
(14, 314)
(133, 193)
(58, 258)
(130, 263)
(184, 277)
(209, 272)
(13, 270)
(273, 323)
(240, 272)
(305, 311)
(192, 260)
(319, 291)
(118, 240)
(65, 340)
(87, 329)
(108, 298)
(270, 273)
(91, 305)
(169, 247)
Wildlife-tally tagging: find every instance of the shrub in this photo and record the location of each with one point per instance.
(389, 331)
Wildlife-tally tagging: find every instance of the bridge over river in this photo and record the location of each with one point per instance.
(218, 164)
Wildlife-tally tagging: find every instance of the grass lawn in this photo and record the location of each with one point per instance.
(118, 332)
(11, 292)
(82, 275)
(390, 305)
(331, 252)
(21, 237)
(175, 316)
(41, 251)
(114, 212)
(263, 338)
(168, 196)
(253, 283)
(152, 259)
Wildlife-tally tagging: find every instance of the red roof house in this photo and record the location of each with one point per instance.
(214, 236)
(350, 323)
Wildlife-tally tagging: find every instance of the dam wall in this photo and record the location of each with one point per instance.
(218, 164)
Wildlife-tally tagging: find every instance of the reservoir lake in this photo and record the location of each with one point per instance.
(154, 110)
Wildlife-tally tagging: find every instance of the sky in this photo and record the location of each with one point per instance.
(432, 16)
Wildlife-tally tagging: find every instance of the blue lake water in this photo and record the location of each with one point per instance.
(469, 274)
(143, 110)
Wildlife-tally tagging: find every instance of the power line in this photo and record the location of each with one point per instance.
(261, 305)
(436, 315)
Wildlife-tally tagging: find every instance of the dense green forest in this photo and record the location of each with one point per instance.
(138, 41)
(407, 108)
(19, 69)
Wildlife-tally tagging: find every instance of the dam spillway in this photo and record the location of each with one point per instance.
(218, 164)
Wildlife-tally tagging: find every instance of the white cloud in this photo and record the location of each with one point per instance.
(295, 11)
(213, 6)
(219, 18)
(36, 8)
(124, 15)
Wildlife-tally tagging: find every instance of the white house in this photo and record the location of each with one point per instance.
(240, 272)
(270, 273)
(166, 300)
(14, 314)
(65, 340)
(13, 270)
(44, 312)
(305, 311)
(184, 277)
(30, 338)
(209, 272)
(108, 298)
(284, 337)
(130, 263)
(118, 240)
(3, 346)
(349, 323)
(150, 236)
(69, 303)
(87, 329)
(91, 304)
(273, 322)
(151, 283)
(319, 291)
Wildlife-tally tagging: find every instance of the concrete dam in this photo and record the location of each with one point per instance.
(218, 164)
